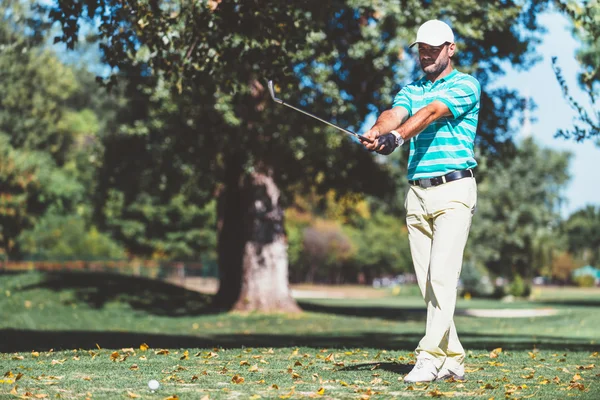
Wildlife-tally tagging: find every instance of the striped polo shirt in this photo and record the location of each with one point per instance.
(446, 145)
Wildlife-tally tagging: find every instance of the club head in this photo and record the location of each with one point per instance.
(272, 92)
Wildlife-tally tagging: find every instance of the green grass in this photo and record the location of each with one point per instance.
(349, 348)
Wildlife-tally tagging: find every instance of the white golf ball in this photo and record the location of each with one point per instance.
(153, 384)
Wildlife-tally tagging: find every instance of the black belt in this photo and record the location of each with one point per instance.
(438, 180)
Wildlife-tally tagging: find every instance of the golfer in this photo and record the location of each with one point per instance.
(438, 114)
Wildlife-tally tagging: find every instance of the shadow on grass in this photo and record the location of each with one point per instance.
(386, 366)
(14, 340)
(595, 302)
(150, 295)
(165, 299)
(389, 313)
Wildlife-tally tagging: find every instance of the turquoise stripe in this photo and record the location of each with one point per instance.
(426, 154)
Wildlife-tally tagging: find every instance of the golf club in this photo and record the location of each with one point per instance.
(276, 100)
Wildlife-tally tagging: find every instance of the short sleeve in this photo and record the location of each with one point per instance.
(402, 99)
(462, 96)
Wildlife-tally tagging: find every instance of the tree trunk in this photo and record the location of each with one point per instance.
(265, 282)
(230, 241)
(253, 262)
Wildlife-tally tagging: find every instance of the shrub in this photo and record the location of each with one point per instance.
(518, 287)
(585, 281)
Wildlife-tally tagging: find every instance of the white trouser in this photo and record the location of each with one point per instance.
(438, 220)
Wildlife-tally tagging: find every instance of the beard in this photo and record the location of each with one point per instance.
(435, 67)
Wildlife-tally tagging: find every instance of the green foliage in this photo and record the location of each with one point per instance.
(515, 228)
(382, 245)
(519, 287)
(63, 238)
(31, 184)
(475, 280)
(585, 281)
(583, 232)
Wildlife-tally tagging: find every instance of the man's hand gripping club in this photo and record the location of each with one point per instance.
(388, 121)
(384, 144)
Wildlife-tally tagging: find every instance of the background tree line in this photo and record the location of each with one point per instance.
(167, 164)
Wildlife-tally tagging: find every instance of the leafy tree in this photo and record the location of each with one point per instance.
(47, 146)
(583, 232)
(61, 238)
(586, 27)
(515, 227)
(209, 61)
(30, 183)
(563, 265)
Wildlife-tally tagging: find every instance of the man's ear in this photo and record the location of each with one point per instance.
(451, 49)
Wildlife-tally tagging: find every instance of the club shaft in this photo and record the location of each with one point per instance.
(326, 122)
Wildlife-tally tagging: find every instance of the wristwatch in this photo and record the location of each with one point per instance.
(399, 140)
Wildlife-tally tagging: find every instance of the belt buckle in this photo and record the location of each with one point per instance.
(425, 183)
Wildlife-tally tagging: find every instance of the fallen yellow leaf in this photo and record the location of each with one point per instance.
(144, 347)
(132, 395)
(321, 391)
(576, 385)
(586, 366)
(185, 356)
(237, 379)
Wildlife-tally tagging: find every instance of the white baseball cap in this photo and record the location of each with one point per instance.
(434, 33)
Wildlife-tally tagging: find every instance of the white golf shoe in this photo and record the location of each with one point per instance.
(451, 369)
(423, 371)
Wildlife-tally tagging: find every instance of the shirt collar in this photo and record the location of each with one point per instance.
(426, 81)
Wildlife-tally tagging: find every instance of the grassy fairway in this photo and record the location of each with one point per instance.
(79, 336)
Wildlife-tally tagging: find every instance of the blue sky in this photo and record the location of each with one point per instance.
(553, 112)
